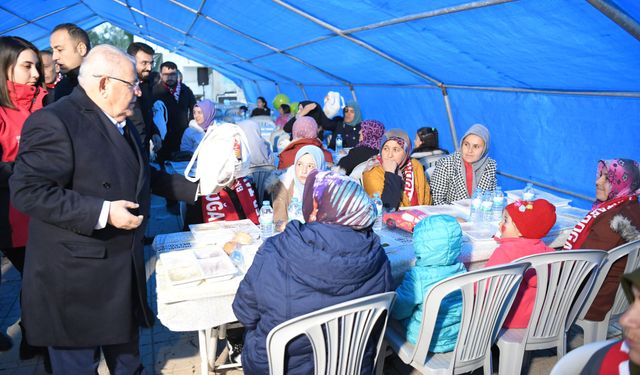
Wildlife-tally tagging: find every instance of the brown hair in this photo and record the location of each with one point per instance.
(10, 49)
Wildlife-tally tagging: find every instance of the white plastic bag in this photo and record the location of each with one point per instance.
(333, 104)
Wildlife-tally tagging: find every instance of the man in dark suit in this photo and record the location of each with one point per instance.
(69, 45)
(179, 100)
(83, 179)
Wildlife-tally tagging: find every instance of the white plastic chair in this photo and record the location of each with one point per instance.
(358, 170)
(487, 295)
(597, 331)
(560, 276)
(338, 334)
(574, 361)
(267, 126)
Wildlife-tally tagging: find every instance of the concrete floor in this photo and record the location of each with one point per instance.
(176, 353)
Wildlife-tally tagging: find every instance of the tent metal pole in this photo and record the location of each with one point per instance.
(277, 87)
(33, 21)
(304, 92)
(629, 94)
(358, 42)
(617, 15)
(547, 186)
(353, 93)
(452, 125)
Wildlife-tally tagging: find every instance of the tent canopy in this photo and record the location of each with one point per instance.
(556, 81)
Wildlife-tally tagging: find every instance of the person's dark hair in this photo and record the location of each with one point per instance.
(429, 138)
(10, 49)
(137, 46)
(244, 108)
(266, 105)
(169, 65)
(285, 108)
(76, 33)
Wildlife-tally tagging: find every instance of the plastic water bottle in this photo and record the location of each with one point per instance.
(476, 204)
(377, 225)
(487, 205)
(266, 220)
(528, 194)
(294, 211)
(338, 143)
(237, 259)
(498, 204)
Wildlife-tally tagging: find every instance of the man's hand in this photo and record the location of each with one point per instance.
(389, 165)
(120, 217)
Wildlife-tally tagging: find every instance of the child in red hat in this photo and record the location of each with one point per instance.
(522, 227)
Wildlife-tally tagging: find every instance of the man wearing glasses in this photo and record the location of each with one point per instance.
(83, 179)
(179, 100)
(142, 117)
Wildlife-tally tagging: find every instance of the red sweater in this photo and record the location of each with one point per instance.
(26, 100)
(509, 250)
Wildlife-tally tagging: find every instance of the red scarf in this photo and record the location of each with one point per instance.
(616, 360)
(580, 232)
(469, 179)
(231, 203)
(409, 183)
(174, 91)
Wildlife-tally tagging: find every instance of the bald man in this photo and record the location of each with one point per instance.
(83, 179)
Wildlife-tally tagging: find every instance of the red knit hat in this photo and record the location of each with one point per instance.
(533, 219)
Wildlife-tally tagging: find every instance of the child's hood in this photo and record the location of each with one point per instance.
(437, 241)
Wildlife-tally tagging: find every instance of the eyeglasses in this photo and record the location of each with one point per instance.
(134, 86)
(349, 110)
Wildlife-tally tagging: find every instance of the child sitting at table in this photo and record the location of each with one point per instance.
(522, 227)
(437, 241)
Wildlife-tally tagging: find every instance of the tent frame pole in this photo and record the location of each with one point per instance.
(617, 15)
(452, 125)
(353, 93)
(547, 186)
(304, 92)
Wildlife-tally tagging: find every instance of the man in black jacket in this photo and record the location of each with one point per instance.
(142, 117)
(70, 44)
(179, 100)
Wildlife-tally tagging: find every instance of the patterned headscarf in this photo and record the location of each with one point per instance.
(402, 138)
(623, 175)
(334, 198)
(208, 112)
(305, 127)
(357, 115)
(372, 131)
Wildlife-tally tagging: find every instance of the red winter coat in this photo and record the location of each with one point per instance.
(288, 155)
(26, 99)
(509, 250)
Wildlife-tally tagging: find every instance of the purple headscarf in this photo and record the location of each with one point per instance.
(623, 175)
(208, 111)
(334, 198)
(372, 132)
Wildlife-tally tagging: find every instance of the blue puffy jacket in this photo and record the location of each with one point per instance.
(306, 268)
(437, 241)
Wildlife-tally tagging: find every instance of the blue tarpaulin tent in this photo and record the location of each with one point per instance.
(557, 82)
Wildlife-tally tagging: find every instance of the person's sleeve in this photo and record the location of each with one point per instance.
(104, 216)
(488, 180)
(439, 182)
(388, 184)
(173, 186)
(280, 204)
(423, 182)
(245, 304)
(408, 296)
(43, 170)
(6, 169)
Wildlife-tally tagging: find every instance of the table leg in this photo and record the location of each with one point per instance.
(213, 347)
(202, 344)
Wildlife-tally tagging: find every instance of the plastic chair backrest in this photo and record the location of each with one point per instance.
(358, 170)
(560, 276)
(338, 334)
(632, 251)
(487, 295)
(575, 360)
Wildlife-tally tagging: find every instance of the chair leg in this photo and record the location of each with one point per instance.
(382, 354)
(511, 356)
(488, 364)
(562, 346)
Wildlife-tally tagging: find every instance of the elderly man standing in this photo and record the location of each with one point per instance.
(82, 178)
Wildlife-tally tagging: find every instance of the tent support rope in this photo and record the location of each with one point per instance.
(618, 16)
(547, 186)
(452, 125)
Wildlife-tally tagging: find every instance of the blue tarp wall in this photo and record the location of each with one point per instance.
(557, 82)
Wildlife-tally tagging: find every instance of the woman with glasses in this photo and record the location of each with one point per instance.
(348, 126)
(21, 93)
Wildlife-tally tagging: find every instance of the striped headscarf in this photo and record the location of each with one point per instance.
(372, 131)
(333, 198)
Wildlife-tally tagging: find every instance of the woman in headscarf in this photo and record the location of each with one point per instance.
(262, 158)
(291, 183)
(203, 114)
(398, 179)
(458, 175)
(371, 132)
(622, 357)
(348, 126)
(614, 218)
(334, 257)
(305, 131)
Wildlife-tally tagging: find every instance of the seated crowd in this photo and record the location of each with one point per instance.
(331, 166)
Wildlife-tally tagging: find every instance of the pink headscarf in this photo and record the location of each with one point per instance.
(623, 175)
(305, 127)
(208, 111)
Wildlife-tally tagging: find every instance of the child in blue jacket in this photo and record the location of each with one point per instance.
(437, 241)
